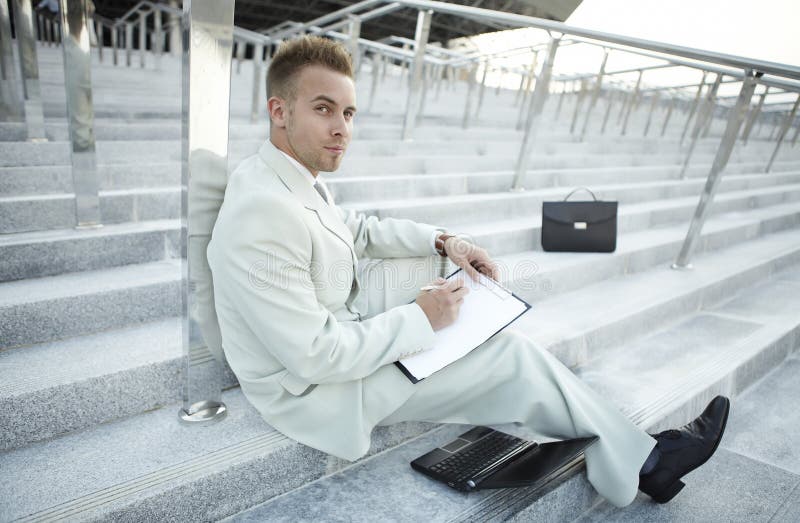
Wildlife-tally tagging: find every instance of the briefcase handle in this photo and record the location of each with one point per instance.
(578, 189)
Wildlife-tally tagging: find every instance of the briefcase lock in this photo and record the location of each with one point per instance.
(579, 225)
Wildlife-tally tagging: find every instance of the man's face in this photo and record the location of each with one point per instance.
(318, 124)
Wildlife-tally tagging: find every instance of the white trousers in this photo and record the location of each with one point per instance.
(508, 379)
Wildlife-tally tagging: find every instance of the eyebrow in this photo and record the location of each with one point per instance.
(324, 98)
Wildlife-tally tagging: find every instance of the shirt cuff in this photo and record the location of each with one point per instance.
(435, 234)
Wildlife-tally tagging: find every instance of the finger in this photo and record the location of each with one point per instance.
(471, 271)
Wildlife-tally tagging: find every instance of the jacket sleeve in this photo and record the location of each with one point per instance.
(261, 269)
(388, 237)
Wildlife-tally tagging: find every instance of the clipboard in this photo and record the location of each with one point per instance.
(487, 309)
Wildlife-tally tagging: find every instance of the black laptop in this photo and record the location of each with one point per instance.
(484, 458)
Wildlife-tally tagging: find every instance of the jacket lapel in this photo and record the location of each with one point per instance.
(308, 196)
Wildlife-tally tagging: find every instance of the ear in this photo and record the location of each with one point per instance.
(278, 111)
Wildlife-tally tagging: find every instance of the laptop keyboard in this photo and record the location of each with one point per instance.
(467, 462)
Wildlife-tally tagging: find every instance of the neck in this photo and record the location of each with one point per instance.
(283, 144)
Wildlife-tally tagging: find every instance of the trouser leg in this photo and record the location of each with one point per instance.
(508, 379)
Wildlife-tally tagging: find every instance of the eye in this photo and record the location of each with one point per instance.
(323, 108)
(349, 114)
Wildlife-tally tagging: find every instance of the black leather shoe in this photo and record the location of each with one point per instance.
(685, 449)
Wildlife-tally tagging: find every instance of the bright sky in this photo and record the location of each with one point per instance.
(765, 30)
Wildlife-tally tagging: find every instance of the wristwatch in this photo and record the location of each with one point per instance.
(439, 243)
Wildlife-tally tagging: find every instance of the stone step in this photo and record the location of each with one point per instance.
(450, 211)
(47, 253)
(227, 467)
(661, 380)
(554, 273)
(55, 307)
(55, 211)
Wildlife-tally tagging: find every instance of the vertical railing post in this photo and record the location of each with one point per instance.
(114, 44)
(654, 103)
(128, 43)
(634, 101)
(412, 103)
(784, 129)
(482, 88)
(530, 78)
(157, 40)
(257, 101)
(352, 42)
(29, 67)
(611, 95)
(578, 104)
(49, 31)
(531, 124)
(373, 89)
(12, 102)
(98, 31)
(720, 161)
(700, 122)
(754, 116)
(471, 81)
(78, 81)
(424, 91)
(670, 108)
(142, 37)
(207, 45)
(595, 93)
(175, 32)
(695, 104)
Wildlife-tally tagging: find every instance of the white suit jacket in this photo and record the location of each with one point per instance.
(285, 285)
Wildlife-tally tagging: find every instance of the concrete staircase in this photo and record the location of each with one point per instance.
(90, 348)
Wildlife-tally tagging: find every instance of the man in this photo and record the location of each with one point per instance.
(314, 352)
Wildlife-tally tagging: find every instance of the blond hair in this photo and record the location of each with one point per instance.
(293, 55)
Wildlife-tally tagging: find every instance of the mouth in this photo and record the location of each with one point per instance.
(336, 149)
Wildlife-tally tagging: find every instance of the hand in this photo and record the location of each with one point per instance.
(441, 305)
(471, 258)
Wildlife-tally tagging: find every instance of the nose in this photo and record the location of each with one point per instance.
(340, 127)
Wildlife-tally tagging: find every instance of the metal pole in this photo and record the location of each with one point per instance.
(78, 81)
(206, 81)
(694, 106)
(578, 104)
(784, 129)
(424, 94)
(99, 39)
(611, 95)
(128, 43)
(482, 89)
(633, 102)
(595, 93)
(796, 132)
(420, 41)
(440, 70)
(470, 95)
(519, 89)
(157, 39)
(720, 161)
(12, 101)
(373, 90)
(29, 67)
(529, 80)
(700, 122)
(142, 37)
(114, 45)
(560, 101)
(669, 113)
(174, 32)
(256, 100)
(656, 97)
(352, 43)
(754, 116)
(539, 97)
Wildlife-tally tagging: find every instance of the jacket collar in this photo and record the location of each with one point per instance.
(305, 192)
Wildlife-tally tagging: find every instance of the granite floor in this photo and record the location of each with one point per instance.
(753, 477)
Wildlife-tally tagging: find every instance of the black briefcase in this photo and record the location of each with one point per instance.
(579, 226)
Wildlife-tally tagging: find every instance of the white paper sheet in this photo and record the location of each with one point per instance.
(486, 309)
